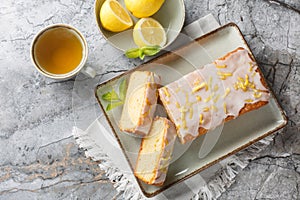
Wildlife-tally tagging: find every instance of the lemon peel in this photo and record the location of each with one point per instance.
(143, 8)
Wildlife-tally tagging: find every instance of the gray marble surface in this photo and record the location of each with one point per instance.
(39, 158)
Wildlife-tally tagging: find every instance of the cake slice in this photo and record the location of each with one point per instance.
(155, 152)
(140, 103)
(217, 92)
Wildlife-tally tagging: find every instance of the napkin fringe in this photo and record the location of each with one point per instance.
(120, 182)
(213, 189)
(231, 166)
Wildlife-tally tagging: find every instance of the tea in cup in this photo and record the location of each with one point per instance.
(59, 51)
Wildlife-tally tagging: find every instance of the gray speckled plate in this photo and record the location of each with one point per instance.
(235, 135)
(171, 16)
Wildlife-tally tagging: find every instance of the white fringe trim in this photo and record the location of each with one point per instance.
(213, 189)
(123, 186)
(232, 165)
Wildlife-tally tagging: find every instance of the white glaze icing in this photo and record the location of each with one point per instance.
(214, 85)
(150, 102)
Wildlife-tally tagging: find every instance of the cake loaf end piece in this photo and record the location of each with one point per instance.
(140, 103)
(155, 152)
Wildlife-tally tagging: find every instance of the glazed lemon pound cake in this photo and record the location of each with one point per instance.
(140, 103)
(155, 152)
(217, 92)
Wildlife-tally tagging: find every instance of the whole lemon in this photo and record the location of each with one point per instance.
(143, 8)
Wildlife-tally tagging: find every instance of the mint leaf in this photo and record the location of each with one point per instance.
(122, 89)
(115, 100)
(110, 96)
(143, 51)
(151, 50)
(113, 105)
(141, 55)
(133, 53)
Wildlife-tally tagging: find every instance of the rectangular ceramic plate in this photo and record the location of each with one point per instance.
(236, 134)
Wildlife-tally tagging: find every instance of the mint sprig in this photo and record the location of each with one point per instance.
(113, 105)
(122, 89)
(111, 96)
(143, 51)
(114, 100)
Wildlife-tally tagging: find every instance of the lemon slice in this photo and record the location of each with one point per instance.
(114, 17)
(148, 32)
(143, 8)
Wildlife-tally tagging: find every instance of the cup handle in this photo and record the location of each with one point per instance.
(89, 71)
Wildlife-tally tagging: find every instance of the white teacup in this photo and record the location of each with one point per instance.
(60, 52)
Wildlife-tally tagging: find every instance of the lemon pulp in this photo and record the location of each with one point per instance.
(114, 17)
(148, 31)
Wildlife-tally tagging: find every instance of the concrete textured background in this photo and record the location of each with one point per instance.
(39, 158)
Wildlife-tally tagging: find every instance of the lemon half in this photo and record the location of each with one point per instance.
(148, 32)
(114, 17)
(143, 8)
